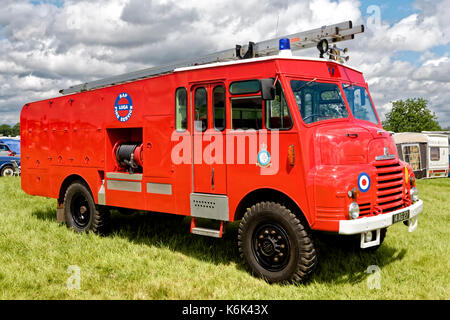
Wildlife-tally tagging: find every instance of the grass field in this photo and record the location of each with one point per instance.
(152, 256)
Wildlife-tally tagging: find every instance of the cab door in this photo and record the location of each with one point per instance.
(209, 123)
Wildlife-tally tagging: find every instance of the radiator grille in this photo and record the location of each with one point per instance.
(389, 184)
(389, 189)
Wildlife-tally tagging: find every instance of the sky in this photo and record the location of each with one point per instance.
(49, 45)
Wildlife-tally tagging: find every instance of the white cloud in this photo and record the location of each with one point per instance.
(44, 48)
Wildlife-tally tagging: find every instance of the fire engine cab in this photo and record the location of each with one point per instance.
(285, 144)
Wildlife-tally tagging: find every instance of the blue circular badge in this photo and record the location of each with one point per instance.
(263, 158)
(123, 107)
(363, 182)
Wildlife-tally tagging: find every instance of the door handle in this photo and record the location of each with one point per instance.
(212, 178)
(352, 135)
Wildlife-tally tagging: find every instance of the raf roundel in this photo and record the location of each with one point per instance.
(123, 107)
(363, 182)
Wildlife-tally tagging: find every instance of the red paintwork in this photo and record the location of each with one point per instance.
(75, 134)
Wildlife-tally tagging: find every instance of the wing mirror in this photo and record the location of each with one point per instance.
(267, 89)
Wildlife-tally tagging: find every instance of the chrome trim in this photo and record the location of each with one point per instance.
(159, 188)
(206, 232)
(124, 176)
(385, 156)
(124, 185)
(101, 195)
(209, 206)
(377, 222)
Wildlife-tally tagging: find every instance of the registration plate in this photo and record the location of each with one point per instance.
(401, 216)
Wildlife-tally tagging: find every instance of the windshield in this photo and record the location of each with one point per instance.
(318, 101)
(359, 102)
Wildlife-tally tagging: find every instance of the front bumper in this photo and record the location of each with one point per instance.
(348, 227)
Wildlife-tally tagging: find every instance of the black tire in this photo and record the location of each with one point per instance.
(81, 213)
(275, 244)
(7, 171)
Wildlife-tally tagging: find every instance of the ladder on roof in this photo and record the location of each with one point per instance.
(301, 40)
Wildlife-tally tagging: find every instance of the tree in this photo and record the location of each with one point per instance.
(15, 131)
(412, 115)
(5, 130)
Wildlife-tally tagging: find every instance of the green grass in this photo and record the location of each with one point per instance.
(152, 256)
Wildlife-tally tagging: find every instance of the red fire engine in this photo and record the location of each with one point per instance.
(287, 145)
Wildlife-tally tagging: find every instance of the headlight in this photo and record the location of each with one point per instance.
(353, 210)
(414, 194)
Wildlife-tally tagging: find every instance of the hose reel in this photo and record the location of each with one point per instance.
(129, 155)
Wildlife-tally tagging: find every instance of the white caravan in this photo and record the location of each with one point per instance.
(437, 155)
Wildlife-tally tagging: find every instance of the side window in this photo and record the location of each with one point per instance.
(434, 154)
(201, 109)
(277, 111)
(246, 113)
(181, 109)
(245, 87)
(219, 108)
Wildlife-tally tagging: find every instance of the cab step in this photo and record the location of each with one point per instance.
(208, 232)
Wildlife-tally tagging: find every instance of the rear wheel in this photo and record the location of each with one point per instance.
(275, 244)
(7, 171)
(81, 213)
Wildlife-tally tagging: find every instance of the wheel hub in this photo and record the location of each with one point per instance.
(80, 209)
(271, 246)
(268, 247)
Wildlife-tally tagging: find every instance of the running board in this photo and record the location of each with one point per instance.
(207, 232)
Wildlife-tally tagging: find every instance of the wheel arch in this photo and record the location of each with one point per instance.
(6, 164)
(67, 182)
(269, 194)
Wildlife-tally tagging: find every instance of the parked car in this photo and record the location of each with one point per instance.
(5, 150)
(7, 166)
(12, 143)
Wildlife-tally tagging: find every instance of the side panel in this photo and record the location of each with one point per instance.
(35, 149)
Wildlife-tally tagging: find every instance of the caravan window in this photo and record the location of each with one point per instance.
(411, 155)
(434, 154)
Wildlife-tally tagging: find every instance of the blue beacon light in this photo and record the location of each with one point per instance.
(285, 44)
(285, 47)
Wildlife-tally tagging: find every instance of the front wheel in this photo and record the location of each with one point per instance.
(81, 213)
(275, 244)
